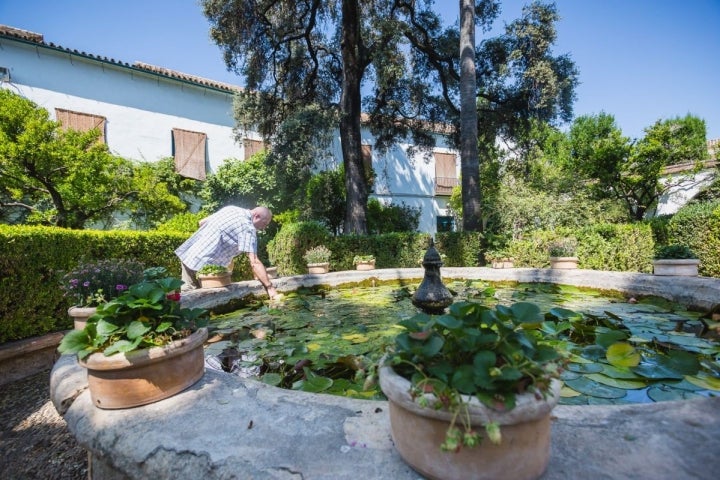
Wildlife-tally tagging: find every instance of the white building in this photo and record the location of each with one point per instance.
(148, 113)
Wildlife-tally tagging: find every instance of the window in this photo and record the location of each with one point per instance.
(445, 173)
(189, 153)
(445, 224)
(252, 147)
(82, 122)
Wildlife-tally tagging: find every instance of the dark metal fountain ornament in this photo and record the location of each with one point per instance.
(432, 296)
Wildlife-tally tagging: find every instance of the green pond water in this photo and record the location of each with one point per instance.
(329, 339)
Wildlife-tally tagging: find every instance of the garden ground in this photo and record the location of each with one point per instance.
(35, 443)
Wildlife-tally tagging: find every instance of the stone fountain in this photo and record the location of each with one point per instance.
(432, 296)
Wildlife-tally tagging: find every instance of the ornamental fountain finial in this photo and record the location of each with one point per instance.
(432, 296)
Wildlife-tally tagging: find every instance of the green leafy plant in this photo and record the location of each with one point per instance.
(564, 247)
(317, 254)
(91, 283)
(493, 354)
(674, 252)
(212, 269)
(147, 314)
(363, 259)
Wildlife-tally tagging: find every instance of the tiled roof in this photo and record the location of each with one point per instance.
(32, 37)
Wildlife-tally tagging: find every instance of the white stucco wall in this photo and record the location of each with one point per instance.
(141, 109)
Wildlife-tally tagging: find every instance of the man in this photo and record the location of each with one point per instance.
(222, 236)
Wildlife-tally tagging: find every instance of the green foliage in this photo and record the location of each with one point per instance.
(674, 251)
(493, 354)
(33, 260)
(563, 247)
(698, 227)
(242, 183)
(460, 249)
(600, 247)
(145, 315)
(287, 248)
(212, 269)
(615, 167)
(392, 218)
(363, 259)
(325, 199)
(51, 176)
(92, 283)
(317, 254)
(182, 223)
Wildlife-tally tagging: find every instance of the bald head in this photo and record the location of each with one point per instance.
(261, 217)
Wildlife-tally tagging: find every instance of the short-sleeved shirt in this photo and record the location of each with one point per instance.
(222, 236)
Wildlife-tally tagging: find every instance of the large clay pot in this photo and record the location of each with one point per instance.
(215, 281)
(564, 263)
(145, 376)
(417, 433)
(318, 267)
(686, 267)
(80, 316)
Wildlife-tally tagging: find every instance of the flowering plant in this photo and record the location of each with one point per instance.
(146, 314)
(91, 283)
(318, 254)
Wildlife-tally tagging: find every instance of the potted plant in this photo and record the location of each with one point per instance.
(562, 253)
(318, 259)
(470, 392)
(91, 283)
(675, 260)
(142, 346)
(214, 276)
(364, 262)
(499, 259)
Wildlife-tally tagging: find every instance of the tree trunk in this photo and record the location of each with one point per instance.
(350, 135)
(469, 162)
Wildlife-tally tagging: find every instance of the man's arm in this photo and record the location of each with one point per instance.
(259, 270)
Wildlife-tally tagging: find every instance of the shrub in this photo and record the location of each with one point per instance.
(674, 252)
(317, 254)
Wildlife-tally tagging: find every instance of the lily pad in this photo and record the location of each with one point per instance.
(585, 367)
(617, 382)
(567, 392)
(665, 394)
(705, 381)
(622, 354)
(619, 372)
(595, 389)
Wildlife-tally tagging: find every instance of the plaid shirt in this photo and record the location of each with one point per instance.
(222, 236)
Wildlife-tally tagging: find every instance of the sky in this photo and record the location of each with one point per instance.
(638, 60)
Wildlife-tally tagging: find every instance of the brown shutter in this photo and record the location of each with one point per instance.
(445, 173)
(189, 149)
(252, 147)
(82, 122)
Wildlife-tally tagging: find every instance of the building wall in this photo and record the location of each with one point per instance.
(142, 107)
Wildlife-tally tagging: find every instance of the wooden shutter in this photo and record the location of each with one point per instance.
(189, 153)
(82, 122)
(445, 173)
(251, 147)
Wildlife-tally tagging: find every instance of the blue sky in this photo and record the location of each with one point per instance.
(639, 60)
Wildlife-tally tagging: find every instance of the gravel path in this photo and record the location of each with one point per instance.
(35, 443)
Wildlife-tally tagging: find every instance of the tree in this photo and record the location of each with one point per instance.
(244, 183)
(67, 178)
(468, 120)
(323, 55)
(616, 167)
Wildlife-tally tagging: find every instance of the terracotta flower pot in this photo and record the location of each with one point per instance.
(502, 263)
(318, 267)
(364, 266)
(80, 315)
(417, 433)
(125, 380)
(214, 281)
(564, 263)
